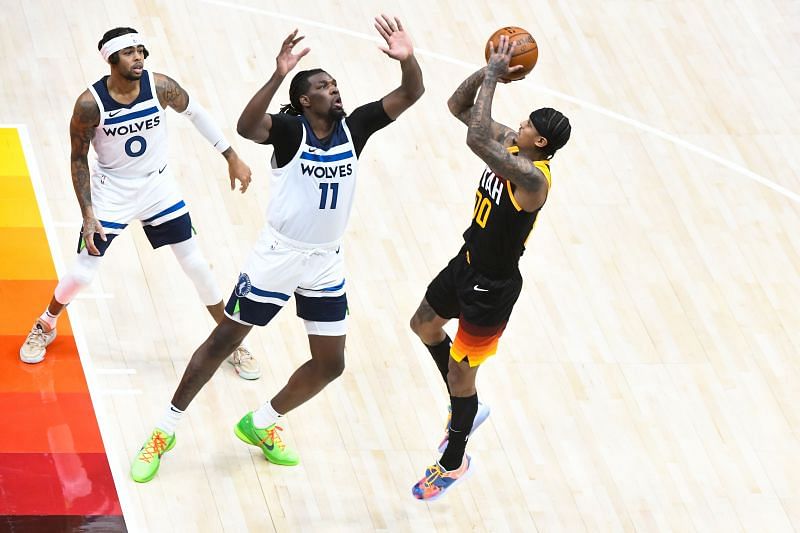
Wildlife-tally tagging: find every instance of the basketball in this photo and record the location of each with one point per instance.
(526, 53)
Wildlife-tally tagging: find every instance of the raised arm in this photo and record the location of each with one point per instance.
(85, 118)
(254, 122)
(518, 170)
(399, 47)
(462, 100)
(171, 94)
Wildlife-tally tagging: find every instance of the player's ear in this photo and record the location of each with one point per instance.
(540, 142)
(304, 100)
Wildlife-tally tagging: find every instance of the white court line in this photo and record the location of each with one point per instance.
(94, 296)
(739, 169)
(119, 392)
(114, 371)
(103, 421)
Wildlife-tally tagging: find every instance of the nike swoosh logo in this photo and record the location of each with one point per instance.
(479, 289)
(115, 113)
(312, 149)
(162, 169)
(269, 446)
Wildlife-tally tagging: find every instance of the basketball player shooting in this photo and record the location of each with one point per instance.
(481, 284)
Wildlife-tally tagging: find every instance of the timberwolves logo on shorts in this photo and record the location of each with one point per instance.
(243, 286)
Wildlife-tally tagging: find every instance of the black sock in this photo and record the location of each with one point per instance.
(441, 356)
(464, 411)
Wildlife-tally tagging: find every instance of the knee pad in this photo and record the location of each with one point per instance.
(196, 267)
(80, 274)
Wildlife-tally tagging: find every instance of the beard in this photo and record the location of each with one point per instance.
(130, 76)
(337, 114)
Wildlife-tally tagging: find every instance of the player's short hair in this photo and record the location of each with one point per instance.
(116, 32)
(553, 126)
(297, 88)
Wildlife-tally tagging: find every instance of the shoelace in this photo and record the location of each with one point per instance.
(272, 433)
(155, 447)
(242, 354)
(436, 473)
(37, 337)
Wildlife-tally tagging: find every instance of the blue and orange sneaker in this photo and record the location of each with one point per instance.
(437, 480)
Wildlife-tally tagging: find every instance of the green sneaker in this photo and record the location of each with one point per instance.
(145, 464)
(269, 440)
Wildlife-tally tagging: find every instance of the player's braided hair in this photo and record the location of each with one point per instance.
(116, 32)
(297, 88)
(553, 126)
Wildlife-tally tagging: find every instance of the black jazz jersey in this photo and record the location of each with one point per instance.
(495, 240)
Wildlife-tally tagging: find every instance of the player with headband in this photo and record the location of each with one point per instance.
(123, 116)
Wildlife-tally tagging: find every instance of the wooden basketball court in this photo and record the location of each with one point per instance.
(649, 378)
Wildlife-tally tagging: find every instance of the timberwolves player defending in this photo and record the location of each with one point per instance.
(481, 284)
(300, 253)
(123, 116)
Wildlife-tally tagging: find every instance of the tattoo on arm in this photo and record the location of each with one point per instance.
(463, 100)
(171, 94)
(485, 144)
(85, 118)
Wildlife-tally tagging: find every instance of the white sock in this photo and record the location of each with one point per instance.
(49, 318)
(265, 416)
(170, 420)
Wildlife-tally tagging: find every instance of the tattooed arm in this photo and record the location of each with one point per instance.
(170, 94)
(531, 182)
(462, 100)
(85, 118)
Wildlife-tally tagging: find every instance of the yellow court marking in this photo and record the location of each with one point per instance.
(12, 159)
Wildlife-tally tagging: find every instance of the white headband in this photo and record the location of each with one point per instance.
(118, 43)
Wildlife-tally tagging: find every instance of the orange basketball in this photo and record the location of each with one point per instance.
(526, 53)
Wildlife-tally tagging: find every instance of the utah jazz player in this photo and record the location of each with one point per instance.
(481, 284)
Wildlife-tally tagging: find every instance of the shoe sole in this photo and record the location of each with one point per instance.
(34, 360)
(475, 425)
(245, 375)
(151, 476)
(244, 438)
(466, 474)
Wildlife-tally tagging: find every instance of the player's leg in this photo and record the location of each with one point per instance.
(484, 315)
(322, 304)
(166, 221)
(439, 305)
(253, 301)
(197, 269)
(83, 270)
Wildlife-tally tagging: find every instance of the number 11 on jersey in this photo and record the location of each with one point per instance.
(323, 199)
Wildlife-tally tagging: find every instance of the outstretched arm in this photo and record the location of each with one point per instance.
(462, 100)
(85, 118)
(399, 47)
(254, 122)
(171, 94)
(518, 170)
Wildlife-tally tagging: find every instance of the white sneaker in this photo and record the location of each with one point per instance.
(35, 346)
(245, 364)
(480, 417)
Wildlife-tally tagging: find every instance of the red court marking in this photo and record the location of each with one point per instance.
(57, 484)
(48, 421)
(61, 369)
(21, 302)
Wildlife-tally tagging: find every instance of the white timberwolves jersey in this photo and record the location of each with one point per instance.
(313, 193)
(131, 140)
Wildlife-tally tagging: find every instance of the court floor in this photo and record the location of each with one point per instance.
(648, 377)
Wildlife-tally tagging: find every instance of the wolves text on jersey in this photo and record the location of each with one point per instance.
(126, 129)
